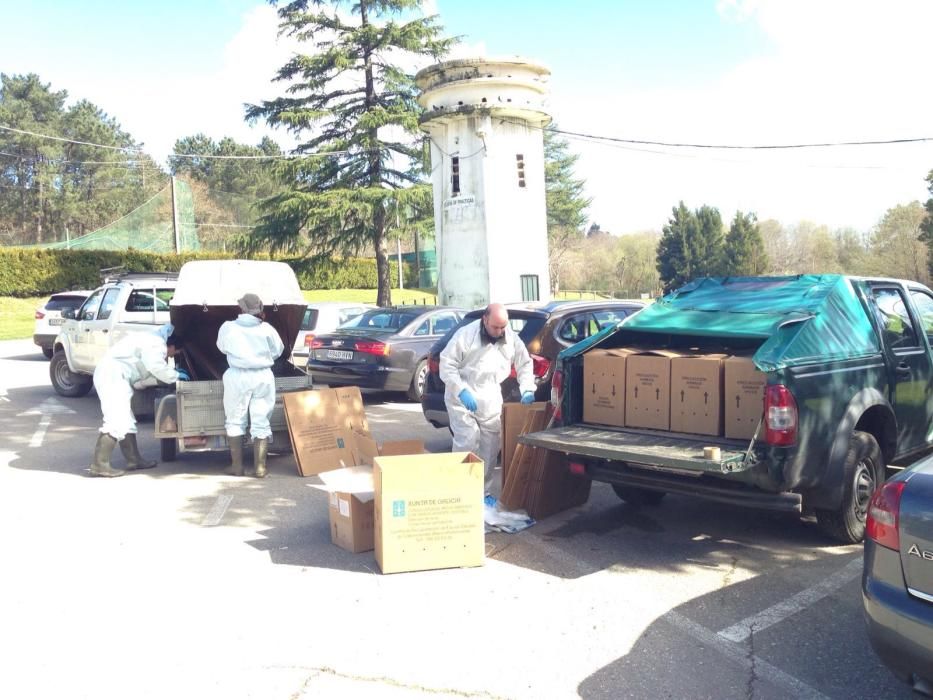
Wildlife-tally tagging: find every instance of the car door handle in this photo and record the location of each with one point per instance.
(106, 330)
(902, 369)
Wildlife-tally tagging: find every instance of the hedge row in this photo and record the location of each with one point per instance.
(28, 272)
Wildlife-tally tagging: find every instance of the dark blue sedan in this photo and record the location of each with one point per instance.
(384, 348)
(897, 582)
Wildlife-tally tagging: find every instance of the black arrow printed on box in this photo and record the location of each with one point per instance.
(681, 396)
(636, 392)
(657, 394)
(738, 400)
(613, 389)
(705, 397)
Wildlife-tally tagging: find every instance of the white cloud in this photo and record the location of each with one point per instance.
(834, 71)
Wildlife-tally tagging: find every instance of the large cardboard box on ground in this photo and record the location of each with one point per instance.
(744, 388)
(648, 389)
(323, 426)
(351, 493)
(696, 394)
(514, 416)
(429, 511)
(604, 386)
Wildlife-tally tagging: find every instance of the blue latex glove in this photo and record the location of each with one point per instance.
(468, 400)
(528, 397)
(183, 376)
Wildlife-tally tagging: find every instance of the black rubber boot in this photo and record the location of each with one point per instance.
(236, 456)
(260, 451)
(102, 452)
(130, 451)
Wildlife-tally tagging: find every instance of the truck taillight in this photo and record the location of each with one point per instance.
(883, 514)
(315, 343)
(780, 416)
(434, 364)
(309, 340)
(540, 366)
(374, 348)
(39, 315)
(557, 389)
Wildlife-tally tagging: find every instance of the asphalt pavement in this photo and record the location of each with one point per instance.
(181, 582)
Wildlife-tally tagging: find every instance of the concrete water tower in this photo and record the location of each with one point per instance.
(485, 118)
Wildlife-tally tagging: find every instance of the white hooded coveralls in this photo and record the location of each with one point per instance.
(134, 358)
(469, 362)
(252, 347)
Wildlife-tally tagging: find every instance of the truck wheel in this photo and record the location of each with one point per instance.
(169, 449)
(863, 473)
(638, 497)
(64, 381)
(47, 352)
(416, 390)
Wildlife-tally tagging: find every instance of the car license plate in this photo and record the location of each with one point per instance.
(339, 354)
(56, 321)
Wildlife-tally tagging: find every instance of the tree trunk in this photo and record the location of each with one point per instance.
(384, 292)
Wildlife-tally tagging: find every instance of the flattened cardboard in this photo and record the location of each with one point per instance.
(604, 386)
(513, 418)
(648, 389)
(744, 387)
(429, 511)
(696, 394)
(322, 427)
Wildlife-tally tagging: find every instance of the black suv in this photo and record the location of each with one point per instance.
(546, 329)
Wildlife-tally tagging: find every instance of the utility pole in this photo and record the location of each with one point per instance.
(175, 218)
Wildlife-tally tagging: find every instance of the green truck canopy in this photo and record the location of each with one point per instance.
(799, 319)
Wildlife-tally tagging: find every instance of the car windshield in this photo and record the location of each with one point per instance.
(383, 320)
(526, 325)
(64, 302)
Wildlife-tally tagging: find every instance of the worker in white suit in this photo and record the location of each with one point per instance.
(252, 347)
(473, 365)
(133, 362)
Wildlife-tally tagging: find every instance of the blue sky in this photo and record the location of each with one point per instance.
(700, 71)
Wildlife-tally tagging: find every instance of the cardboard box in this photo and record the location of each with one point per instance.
(350, 498)
(744, 387)
(351, 493)
(429, 511)
(648, 389)
(323, 426)
(696, 394)
(513, 418)
(604, 387)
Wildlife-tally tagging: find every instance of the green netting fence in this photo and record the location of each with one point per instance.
(155, 226)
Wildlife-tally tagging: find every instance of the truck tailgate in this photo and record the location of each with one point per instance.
(676, 451)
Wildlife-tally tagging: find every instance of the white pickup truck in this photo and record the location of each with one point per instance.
(128, 303)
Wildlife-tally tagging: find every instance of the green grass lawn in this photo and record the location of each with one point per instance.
(17, 316)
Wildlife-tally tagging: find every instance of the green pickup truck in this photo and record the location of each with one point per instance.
(848, 385)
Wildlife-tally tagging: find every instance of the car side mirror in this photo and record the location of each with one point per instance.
(68, 313)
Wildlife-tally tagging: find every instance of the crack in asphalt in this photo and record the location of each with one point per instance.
(326, 670)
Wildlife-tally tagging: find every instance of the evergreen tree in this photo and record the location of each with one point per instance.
(926, 228)
(745, 250)
(354, 110)
(566, 204)
(673, 261)
(705, 244)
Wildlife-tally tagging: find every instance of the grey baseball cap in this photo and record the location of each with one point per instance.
(250, 304)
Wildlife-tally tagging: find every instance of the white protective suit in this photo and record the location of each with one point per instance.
(252, 347)
(135, 358)
(472, 362)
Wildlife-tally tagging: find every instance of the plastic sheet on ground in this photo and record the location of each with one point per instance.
(500, 520)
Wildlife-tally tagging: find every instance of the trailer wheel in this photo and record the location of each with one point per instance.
(863, 473)
(635, 496)
(169, 449)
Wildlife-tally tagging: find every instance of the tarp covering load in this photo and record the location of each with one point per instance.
(800, 319)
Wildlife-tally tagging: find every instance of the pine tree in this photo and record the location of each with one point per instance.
(705, 244)
(673, 251)
(745, 250)
(926, 228)
(566, 204)
(354, 111)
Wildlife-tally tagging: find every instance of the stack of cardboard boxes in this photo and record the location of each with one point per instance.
(417, 510)
(705, 394)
